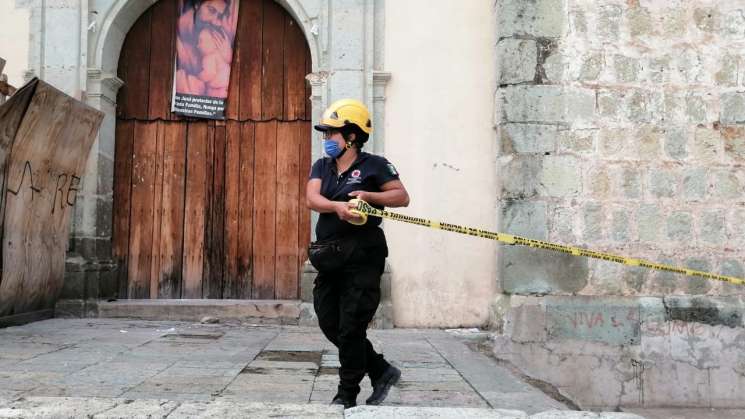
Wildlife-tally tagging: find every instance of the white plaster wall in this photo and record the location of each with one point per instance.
(14, 40)
(440, 135)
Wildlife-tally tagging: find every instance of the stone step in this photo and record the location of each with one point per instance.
(289, 312)
(110, 408)
(252, 311)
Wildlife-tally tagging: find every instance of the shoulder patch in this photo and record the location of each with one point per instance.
(392, 169)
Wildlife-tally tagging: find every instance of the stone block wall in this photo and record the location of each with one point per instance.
(611, 352)
(621, 128)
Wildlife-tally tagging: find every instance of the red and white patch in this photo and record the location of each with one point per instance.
(356, 173)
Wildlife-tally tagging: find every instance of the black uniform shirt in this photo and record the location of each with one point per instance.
(368, 173)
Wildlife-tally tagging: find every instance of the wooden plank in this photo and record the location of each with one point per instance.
(308, 87)
(172, 221)
(25, 318)
(245, 211)
(143, 209)
(157, 200)
(250, 27)
(162, 35)
(122, 200)
(265, 172)
(49, 153)
(295, 51)
(209, 159)
(195, 209)
(121, 72)
(272, 75)
(231, 282)
(288, 154)
(11, 116)
(138, 69)
(304, 140)
(212, 282)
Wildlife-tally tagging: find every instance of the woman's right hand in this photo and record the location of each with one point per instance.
(342, 211)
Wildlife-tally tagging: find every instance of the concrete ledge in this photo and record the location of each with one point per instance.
(371, 412)
(256, 311)
(289, 312)
(110, 408)
(692, 413)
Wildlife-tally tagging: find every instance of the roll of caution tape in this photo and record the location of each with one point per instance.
(366, 209)
(362, 215)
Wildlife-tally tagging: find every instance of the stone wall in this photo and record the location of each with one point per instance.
(610, 352)
(622, 129)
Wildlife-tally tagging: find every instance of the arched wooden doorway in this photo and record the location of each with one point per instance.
(213, 209)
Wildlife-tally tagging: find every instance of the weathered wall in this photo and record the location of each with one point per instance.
(14, 40)
(630, 351)
(439, 134)
(621, 130)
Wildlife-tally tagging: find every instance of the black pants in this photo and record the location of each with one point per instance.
(345, 302)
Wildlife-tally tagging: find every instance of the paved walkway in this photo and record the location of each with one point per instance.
(126, 368)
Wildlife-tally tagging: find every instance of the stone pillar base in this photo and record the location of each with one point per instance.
(86, 281)
(76, 309)
(383, 317)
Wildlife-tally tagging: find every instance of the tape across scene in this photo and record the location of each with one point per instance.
(363, 209)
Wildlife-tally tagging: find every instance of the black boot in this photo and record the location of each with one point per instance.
(382, 385)
(346, 402)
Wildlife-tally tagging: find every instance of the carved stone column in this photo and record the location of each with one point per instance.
(90, 272)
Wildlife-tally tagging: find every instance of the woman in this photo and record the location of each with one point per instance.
(346, 296)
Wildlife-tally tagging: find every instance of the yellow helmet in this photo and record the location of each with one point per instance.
(344, 112)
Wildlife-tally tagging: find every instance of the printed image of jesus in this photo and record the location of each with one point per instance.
(204, 49)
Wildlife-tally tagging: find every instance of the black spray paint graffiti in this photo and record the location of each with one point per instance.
(66, 188)
(26, 168)
(72, 189)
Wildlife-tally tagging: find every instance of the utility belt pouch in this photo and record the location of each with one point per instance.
(331, 255)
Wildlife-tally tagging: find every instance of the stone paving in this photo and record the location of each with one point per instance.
(112, 368)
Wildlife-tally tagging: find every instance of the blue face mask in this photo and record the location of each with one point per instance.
(332, 148)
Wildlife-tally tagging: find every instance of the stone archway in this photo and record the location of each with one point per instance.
(103, 84)
(213, 209)
(342, 66)
(92, 232)
(104, 52)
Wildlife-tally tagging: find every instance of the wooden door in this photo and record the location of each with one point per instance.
(213, 209)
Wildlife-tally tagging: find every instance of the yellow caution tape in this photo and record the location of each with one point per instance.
(364, 209)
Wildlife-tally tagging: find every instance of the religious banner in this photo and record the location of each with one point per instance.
(204, 51)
